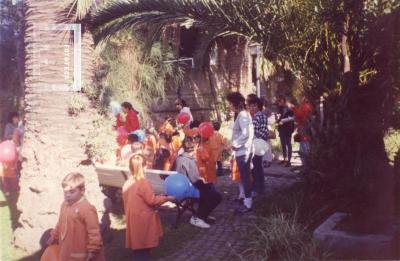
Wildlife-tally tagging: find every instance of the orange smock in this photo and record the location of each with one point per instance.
(205, 162)
(217, 144)
(143, 226)
(78, 232)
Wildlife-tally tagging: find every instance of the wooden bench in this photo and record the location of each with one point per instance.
(115, 177)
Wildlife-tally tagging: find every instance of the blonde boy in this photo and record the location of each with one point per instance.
(77, 230)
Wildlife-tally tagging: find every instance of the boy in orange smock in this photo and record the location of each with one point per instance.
(77, 230)
(205, 161)
(143, 226)
(217, 144)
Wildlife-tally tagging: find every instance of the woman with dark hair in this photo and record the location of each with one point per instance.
(285, 129)
(182, 106)
(260, 122)
(131, 121)
(242, 144)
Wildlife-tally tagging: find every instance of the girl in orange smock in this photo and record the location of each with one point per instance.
(143, 226)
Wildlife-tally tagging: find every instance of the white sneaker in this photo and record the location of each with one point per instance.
(197, 222)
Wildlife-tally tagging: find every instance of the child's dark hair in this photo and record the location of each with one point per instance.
(127, 105)
(12, 115)
(237, 100)
(165, 136)
(195, 124)
(187, 144)
(175, 133)
(181, 102)
(216, 125)
(133, 138)
(282, 98)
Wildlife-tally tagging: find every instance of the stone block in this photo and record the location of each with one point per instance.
(345, 245)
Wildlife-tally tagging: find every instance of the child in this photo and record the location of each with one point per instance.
(209, 197)
(143, 226)
(205, 161)
(77, 230)
(11, 125)
(217, 144)
(8, 176)
(236, 177)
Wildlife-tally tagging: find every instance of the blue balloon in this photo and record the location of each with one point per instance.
(178, 185)
(140, 133)
(194, 192)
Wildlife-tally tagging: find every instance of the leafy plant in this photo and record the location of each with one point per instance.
(77, 104)
(129, 73)
(101, 143)
(392, 143)
(281, 237)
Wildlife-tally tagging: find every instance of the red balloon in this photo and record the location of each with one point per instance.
(183, 118)
(122, 136)
(52, 253)
(8, 152)
(206, 130)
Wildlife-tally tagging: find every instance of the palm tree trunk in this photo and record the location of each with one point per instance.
(54, 141)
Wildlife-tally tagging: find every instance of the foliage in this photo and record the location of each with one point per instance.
(392, 143)
(101, 144)
(282, 230)
(281, 237)
(126, 73)
(76, 105)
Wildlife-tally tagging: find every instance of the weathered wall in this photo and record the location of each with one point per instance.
(204, 91)
(54, 141)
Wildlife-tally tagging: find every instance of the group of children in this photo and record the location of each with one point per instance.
(77, 232)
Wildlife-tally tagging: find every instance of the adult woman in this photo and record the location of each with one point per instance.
(260, 123)
(182, 106)
(131, 121)
(285, 129)
(242, 144)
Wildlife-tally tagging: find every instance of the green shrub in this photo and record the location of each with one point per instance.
(77, 104)
(280, 237)
(392, 143)
(101, 143)
(127, 71)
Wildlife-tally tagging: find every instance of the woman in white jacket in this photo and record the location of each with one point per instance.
(242, 144)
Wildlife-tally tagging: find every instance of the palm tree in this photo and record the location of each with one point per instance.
(54, 141)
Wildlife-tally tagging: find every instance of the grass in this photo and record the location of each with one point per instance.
(7, 221)
(280, 233)
(172, 241)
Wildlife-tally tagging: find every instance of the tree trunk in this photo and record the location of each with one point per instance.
(54, 142)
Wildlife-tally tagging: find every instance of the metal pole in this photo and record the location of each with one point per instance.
(258, 64)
